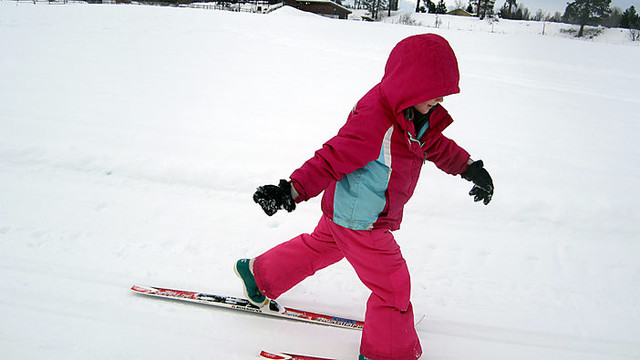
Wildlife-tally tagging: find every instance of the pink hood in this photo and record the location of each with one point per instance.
(420, 68)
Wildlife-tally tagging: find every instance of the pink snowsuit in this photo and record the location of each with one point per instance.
(368, 171)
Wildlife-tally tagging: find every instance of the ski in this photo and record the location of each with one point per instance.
(229, 302)
(289, 356)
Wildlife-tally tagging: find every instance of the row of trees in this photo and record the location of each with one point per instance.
(580, 12)
(481, 8)
(516, 11)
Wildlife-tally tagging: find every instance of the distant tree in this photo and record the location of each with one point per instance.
(586, 12)
(470, 9)
(522, 13)
(487, 8)
(441, 8)
(613, 19)
(504, 12)
(473, 5)
(540, 15)
(374, 7)
(381, 5)
(484, 7)
(514, 11)
(509, 6)
(557, 17)
(393, 6)
(417, 5)
(630, 19)
(431, 7)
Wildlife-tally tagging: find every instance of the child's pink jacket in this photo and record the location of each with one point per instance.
(369, 170)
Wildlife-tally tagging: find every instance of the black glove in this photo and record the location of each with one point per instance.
(482, 183)
(273, 198)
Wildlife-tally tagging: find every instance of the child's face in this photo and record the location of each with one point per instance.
(424, 107)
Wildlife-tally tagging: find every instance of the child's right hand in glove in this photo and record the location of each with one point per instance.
(273, 198)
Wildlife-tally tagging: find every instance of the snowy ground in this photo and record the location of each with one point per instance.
(132, 139)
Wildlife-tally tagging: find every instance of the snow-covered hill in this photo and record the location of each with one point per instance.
(132, 138)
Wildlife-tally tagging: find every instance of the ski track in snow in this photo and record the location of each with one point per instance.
(134, 136)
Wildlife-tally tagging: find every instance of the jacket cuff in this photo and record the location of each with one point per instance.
(466, 166)
(297, 192)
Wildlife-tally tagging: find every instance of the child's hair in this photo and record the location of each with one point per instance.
(409, 113)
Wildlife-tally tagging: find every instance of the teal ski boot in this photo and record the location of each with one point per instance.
(244, 270)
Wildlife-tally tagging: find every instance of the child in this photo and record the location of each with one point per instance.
(368, 171)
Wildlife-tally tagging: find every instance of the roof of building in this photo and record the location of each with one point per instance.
(323, 1)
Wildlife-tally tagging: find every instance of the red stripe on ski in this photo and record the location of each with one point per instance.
(320, 318)
(268, 355)
(166, 292)
(288, 356)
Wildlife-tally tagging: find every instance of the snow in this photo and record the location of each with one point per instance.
(133, 138)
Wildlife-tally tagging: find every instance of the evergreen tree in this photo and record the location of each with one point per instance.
(507, 10)
(483, 7)
(630, 19)
(374, 7)
(473, 5)
(431, 7)
(522, 13)
(586, 12)
(512, 5)
(441, 8)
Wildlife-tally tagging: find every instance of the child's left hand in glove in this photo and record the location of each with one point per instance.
(482, 183)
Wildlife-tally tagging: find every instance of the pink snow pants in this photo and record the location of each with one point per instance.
(389, 332)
